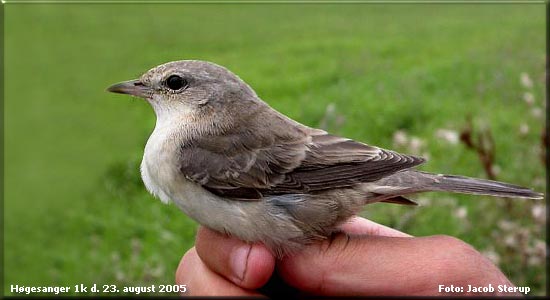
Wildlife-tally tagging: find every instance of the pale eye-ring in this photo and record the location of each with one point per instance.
(176, 82)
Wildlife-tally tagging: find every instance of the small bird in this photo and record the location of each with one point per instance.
(239, 167)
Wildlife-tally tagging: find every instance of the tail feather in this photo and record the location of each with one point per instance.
(412, 181)
(467, 185)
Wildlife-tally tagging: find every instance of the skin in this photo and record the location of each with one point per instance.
(367, 259)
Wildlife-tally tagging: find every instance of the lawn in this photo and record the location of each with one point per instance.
(76, 211)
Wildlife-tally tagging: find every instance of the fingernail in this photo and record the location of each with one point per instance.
(238, 261)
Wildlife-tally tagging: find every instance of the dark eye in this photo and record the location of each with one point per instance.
(176, 82)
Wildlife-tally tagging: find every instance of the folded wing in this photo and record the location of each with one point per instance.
(248, 165)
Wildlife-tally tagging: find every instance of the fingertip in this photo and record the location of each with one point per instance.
(261, 264)
(247, 265)
(185, 262)
(361, 226)
(201, 281)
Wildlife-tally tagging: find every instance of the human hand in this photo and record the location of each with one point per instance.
(370, 259)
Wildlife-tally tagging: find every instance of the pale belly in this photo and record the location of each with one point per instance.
(251, 221)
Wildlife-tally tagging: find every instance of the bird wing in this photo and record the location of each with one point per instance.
(337, 162)
(247, 165)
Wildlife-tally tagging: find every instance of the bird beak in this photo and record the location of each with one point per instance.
(131, 87)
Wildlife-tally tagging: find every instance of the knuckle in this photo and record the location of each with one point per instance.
(454, 246)
(461, 259)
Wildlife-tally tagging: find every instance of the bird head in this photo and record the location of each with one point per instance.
(191, 89)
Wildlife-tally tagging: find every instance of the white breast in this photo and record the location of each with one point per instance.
(159, 165)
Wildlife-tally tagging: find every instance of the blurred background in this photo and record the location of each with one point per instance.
(462, 85)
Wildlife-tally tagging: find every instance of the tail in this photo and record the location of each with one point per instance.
(467, 185)
(412, 181)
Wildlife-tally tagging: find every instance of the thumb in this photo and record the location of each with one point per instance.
(246, 265)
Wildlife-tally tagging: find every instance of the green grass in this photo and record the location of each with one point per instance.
(76, 210)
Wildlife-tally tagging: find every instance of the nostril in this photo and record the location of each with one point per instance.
(138, 83)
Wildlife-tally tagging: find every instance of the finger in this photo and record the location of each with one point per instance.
(362, 226)
(247, 265)
(378, 265)
(201, 281)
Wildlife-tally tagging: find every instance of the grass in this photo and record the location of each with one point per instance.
(76, 210)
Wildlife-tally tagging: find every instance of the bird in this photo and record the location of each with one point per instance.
(237, 166)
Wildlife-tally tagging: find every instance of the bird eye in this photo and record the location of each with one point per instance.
(175, 82)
